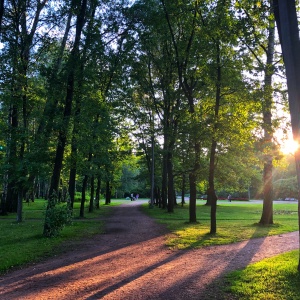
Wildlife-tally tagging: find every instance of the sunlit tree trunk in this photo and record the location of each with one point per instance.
(267, 213)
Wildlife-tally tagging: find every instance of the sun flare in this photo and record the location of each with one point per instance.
(289, 146)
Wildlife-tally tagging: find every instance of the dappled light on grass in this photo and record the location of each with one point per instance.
(196, 236)
(235, 222)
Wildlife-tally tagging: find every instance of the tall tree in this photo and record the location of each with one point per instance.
(267, 213)
(287, 24)
(182, 18)
(72, 68)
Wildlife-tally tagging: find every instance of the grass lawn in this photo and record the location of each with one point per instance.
(23, 242)
(236, 221)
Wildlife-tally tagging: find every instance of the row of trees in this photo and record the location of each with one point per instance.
(87, 84)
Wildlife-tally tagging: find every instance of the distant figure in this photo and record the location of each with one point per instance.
(137, 196)
(132, 197)
(229, 198)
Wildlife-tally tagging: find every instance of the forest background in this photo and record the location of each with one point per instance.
(157, 98)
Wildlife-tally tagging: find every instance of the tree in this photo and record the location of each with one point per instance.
(72, 69)
(287, 24)
(267, 213)
(183, 18)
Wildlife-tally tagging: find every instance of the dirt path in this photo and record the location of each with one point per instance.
(130, 261)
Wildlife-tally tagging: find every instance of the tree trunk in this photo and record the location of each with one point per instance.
(158, 197)
(11, 196)
(267, 213)
(98, 190)
(152, 172)
(3, 206)
(170, 184)
(164, 184)
(72, 185)
(108, 193)
(91, 207)
(83, 197)
(287, 24)
(183, 189)
(211, 194)
(192, 206)
(20, 207)
(75, 132)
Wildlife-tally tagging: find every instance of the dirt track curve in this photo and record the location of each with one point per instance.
(131, 262)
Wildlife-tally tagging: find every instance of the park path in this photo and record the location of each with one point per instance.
(131, 261)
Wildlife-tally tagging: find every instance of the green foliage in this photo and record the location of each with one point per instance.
(57, 216)
(273, 278)
(285, 179)
(286, 188)
(236, 222)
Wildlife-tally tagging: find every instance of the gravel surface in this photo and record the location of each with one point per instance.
(131, 261)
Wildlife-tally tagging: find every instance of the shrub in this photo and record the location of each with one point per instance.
(57, 216)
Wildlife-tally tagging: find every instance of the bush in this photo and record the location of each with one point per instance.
(57, 216)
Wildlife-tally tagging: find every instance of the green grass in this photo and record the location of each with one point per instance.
(235, 222)
(270, 279)
(23, 242)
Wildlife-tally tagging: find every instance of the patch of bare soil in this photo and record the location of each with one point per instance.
(131, 261)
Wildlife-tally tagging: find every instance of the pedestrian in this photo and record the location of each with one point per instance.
(229, 198)
(137, 196)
